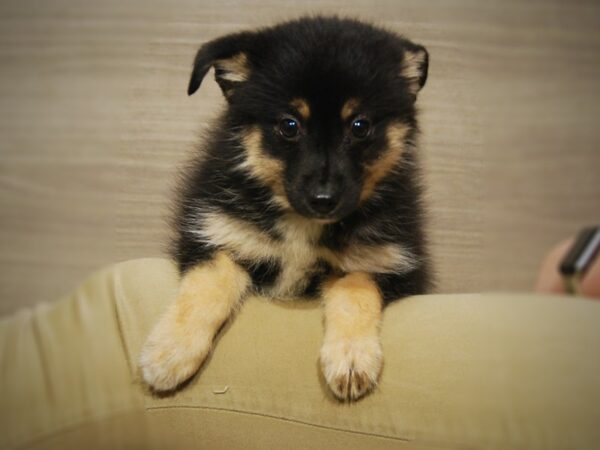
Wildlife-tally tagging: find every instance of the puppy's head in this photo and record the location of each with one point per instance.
(326, 107)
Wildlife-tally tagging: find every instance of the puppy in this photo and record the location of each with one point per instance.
(308, 187)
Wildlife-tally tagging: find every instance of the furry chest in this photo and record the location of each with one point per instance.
(296, 261)
(290, 253)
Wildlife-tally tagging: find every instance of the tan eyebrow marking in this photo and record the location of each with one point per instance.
(349, 108)
(302, 107)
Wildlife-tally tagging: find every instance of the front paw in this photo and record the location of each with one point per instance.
(351, 366)
(167, 361)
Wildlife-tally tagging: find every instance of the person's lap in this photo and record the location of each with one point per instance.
(493, 370)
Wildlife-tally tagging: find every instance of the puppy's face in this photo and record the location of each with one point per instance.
(326, 108)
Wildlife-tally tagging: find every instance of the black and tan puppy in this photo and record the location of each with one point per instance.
(307, 187)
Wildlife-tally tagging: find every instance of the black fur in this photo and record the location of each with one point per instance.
(325, 61)
(319, 273)
(263, 273)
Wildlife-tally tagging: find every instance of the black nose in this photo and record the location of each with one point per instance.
(323, 201)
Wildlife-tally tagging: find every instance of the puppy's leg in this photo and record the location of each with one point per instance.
(181, 340)
(351, 356)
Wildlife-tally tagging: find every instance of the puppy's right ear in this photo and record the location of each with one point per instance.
(229, 56)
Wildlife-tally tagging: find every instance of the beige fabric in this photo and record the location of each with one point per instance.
(461, 371)
(64, 363)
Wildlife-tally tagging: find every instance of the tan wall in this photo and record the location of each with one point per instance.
(94, 121)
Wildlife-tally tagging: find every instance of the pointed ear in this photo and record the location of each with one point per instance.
(229, 57)
(414, 67)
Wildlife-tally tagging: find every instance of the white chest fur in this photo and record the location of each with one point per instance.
(297, 250)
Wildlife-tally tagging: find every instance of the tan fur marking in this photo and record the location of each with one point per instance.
(411, 69)
(182, 338)
(385, 258)
(351, 356)
(209, 291)
(234, 69)
(376, 171)
(239, 237)
(302, 107)
(264, 167)
(349, 108)
(352, 306)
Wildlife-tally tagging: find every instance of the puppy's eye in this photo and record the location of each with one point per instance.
(360, 128)
(289, 128)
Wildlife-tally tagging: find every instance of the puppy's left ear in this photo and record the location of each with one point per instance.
(229, 56)
(414, 67)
